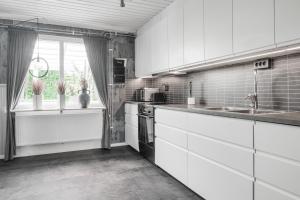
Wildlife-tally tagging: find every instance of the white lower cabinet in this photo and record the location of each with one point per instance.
(265, 192)
(215, 182)
(172, 159)
(131, 136)
(131, 126)
(223, 158)
(232, 156)
(279, 172)
(277, 161)
(173, 135)
(237, 131)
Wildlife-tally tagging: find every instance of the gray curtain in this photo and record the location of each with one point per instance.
(97, 53)
(20, 49)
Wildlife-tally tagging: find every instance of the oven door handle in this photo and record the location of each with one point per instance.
(145, 116)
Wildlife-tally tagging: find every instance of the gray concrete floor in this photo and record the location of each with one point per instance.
(118, 174)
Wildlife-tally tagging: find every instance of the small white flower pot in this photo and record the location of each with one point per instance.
(62, 101)
(37, 102)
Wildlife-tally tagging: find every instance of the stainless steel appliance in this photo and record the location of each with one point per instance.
(145, 94)
(146, 131)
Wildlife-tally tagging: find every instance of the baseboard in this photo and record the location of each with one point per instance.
(25, 151)
(119, 144)
(34, 150)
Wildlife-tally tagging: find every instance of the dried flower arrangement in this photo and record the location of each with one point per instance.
(61, 87)
(84, 84)
(37, 87)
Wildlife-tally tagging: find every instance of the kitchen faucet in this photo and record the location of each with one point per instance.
(258, 65)
(253, 97)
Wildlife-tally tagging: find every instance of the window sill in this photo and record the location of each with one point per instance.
(56, 111)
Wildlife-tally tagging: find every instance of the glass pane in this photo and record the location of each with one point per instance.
(76, 68)
(48, 50)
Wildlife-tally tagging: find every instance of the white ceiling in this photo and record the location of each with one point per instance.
(93, 14)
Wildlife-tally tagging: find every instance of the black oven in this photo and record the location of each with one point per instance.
(146, 131)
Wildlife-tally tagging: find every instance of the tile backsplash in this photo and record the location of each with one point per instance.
(278, 87)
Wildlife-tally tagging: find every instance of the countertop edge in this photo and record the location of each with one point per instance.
(282, 118)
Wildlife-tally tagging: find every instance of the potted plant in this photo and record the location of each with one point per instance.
(84, 97)
(37, 89)
(61, 89)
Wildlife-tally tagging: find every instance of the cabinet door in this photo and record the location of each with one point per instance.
(138, 57)
(172, 159)
(175, 33)
(217, 28)
(131, 119)
(237, 131)
(172, 118)
(131, 136)
(235, 157)
(214, 182)
(277, 139)
(172, 135)
(131, 109)
(143, 51)
(287, 17)
(265, 192)
(147, 49)
(253, 24)
(193, 31)
(159, 50)
(278, 172)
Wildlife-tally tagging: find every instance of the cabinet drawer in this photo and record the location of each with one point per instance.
(131, 119)
(131, 109)
(131, 136)
(213, 182)
(282, 140)
(236, 131)
(172, 159)
(172, 135)
(171, 118)
(235, 157)
(266, 192)
(281, 173)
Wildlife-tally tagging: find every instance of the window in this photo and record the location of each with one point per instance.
(67, 61)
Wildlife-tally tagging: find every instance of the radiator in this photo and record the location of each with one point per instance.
(2, 118)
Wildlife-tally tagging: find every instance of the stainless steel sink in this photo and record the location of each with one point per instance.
(228, 109)
(239, 110)
(256, 112)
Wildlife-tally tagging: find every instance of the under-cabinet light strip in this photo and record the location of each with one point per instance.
(274, 53)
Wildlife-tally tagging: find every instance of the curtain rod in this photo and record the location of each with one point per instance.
(70, 32)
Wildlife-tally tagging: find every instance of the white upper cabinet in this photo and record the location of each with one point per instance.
(287, 20)
(175, 33)
(193, 31)
(217, 28)
(160, 51)
(138, 56)
(143, 49)
(253, 24)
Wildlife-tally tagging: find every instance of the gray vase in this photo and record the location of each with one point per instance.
(84, 98)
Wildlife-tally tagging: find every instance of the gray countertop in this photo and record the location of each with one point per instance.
(288, 118)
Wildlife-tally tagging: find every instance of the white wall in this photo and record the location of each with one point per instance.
(2, 118)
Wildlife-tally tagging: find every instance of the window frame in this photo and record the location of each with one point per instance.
(61, 40)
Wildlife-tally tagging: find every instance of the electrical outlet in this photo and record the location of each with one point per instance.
(262, 64)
